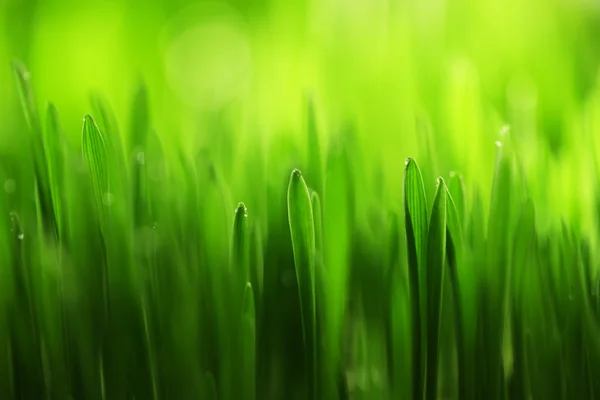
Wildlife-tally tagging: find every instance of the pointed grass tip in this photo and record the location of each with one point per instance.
(408, 161)
(296, 173)
(241, 209)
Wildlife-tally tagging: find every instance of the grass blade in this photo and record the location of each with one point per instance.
(436, 257)
(54, 144)
(95, 156)
(37, 147)
(302, 232)
(454, 252)
(415, 220)
(240, 248)
(248, 335)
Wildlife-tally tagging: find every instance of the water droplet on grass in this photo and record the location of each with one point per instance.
(498, 143)
(21, 236)
(141, 158)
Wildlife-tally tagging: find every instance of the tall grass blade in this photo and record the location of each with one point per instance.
(54, 144)
(240, 244)
(248, 334)
(436, 258)
(302, 232)
(455, 256)
(96, 159)
(415, 221)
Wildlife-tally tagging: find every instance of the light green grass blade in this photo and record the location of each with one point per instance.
(415, 220)
(107, 123)
(27, 97)
(315, 160)
(302, 232)
(456, 188)
(318, 220)
(95, 156)
(436, 258)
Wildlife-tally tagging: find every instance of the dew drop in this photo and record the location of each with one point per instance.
(504, 130)
(21, 236)
(498, 143)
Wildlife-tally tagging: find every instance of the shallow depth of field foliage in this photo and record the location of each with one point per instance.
(321, 199)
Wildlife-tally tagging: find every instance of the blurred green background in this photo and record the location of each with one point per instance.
(394, 69)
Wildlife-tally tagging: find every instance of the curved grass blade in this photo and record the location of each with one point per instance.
(415, 220)
(37, 147)
(436, 257)
(454, 253)
(95, 156)
(248, 334)
(302, 232)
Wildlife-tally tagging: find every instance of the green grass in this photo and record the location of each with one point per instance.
(285, 248)
(122, 285)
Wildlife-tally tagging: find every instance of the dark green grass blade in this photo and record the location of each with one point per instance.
(415, 220)
(248, 334)
(302, 232)
(140, 120)
(524, 242)
(54, 144)
(436, 257)
(36, 142)
(210, 387)
(240, 248)
(495, 277)
(454, 253)
(137, 152)
(27, 362)
(256, 263)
